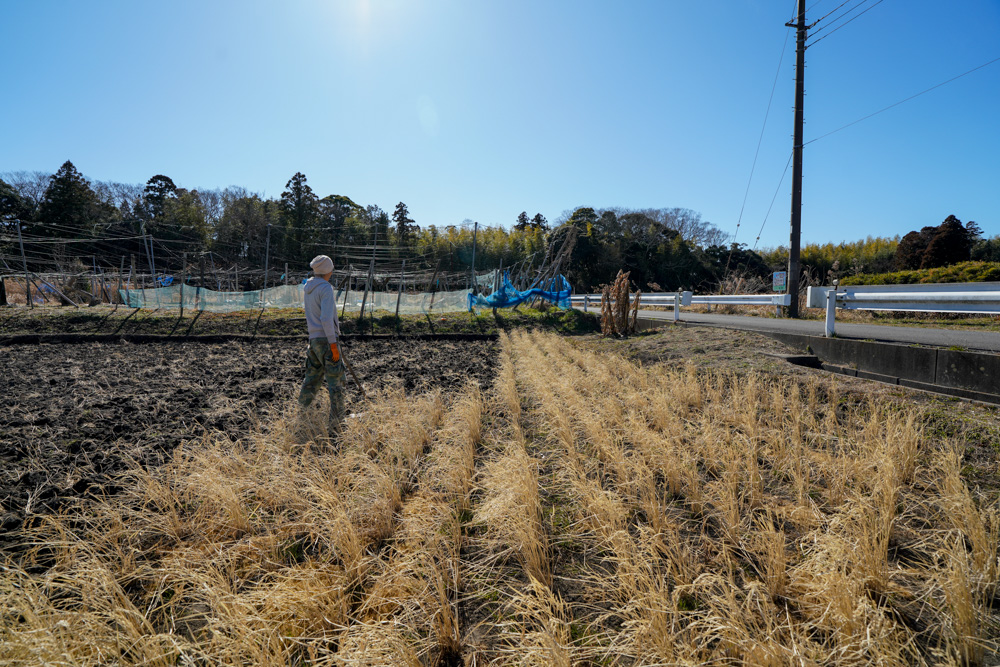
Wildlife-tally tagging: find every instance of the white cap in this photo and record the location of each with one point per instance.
(321, 265)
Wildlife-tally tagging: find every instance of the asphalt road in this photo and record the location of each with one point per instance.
(971, 340)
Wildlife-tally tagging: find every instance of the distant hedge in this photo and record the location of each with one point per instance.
(963, 272)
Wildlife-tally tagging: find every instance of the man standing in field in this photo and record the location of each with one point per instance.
(323, 358)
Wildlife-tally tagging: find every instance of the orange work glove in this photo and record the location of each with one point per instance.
(335, 351)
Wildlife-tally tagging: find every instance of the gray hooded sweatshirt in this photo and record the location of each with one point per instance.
(321, 310)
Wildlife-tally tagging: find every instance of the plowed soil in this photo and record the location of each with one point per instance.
(73, 414)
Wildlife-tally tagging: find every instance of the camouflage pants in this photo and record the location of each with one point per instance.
(320, 363)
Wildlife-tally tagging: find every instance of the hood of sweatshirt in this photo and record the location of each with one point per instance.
(313, 283)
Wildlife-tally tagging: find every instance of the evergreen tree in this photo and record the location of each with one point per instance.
(299, 207)
(404, 225)
(539, 222)
(522, 221)
(987, 250)
(159, 189)
(12, 207)
(69, 208)
(334, 211)
(241, 234)
(950, 244)
(183, 219)
(911, 249)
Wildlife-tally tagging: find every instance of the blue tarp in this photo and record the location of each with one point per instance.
(557, 290)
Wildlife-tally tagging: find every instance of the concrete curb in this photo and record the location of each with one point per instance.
(972, 375)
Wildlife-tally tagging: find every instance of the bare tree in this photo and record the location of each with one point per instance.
(30, 185)
(213, 202)
(688, 224)
(119, 195)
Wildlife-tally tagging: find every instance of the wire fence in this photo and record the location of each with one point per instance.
(403, 293)
(38, 271)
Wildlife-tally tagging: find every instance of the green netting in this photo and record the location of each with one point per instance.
(290, 296)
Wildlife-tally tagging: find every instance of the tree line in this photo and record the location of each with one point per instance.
(931, 247)
(67, 219)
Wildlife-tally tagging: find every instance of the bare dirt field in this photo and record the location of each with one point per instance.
(74, 414)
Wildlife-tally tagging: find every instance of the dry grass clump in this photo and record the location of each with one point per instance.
(618, 315)
(511, 508)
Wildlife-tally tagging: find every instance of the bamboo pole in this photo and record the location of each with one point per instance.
(27, 282)
(433, 282)
(350, 272)
(371, 274)
(184, 262)
(56, 290)
(121, 274)
(399, 293)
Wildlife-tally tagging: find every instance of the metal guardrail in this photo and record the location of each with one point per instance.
(737, 299)
(678, 299)
(974, 298)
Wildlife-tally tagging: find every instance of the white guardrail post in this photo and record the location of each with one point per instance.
(586, 303)
(831, 313)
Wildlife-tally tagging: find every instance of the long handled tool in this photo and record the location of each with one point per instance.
(353, 374)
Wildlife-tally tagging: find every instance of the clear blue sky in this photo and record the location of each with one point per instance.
(475, 109)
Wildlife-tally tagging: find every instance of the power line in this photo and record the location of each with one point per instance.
(795, 14)
(753, 167)
(760, 140)
(776, 190)
(816, 41)
(903, 101)
(830, 12)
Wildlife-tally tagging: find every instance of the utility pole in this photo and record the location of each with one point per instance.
(796, 234)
